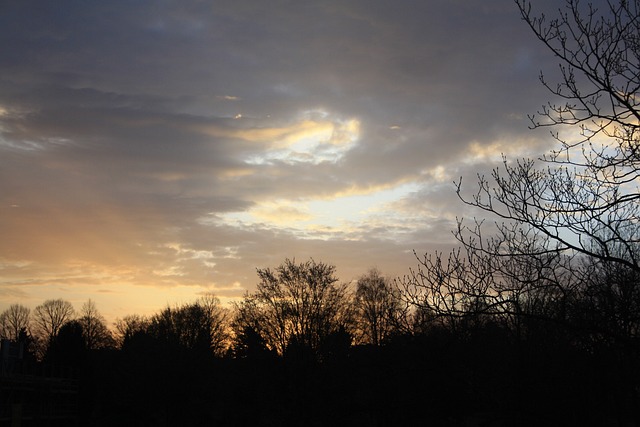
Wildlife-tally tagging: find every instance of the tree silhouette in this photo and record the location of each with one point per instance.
(13, 320)
(49, 317)
(610, 301)
(586, 198)
(200, 326)
(128, 326)
(94, 328)
(554, 286)
(294, 305)
(67, 348)
(216, 319)
(248, 343)
(378, 308)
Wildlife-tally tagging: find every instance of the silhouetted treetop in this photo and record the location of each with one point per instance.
(294, 304)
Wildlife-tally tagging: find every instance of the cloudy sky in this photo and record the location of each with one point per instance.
(154, 150)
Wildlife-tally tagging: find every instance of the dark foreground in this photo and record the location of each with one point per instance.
(443, 378)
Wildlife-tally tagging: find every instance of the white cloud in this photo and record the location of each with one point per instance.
(305, 141)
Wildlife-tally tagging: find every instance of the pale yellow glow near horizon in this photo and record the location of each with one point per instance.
(116, 301)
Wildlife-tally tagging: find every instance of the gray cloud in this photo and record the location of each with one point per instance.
(190, 142)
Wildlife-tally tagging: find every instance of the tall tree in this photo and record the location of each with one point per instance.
(68, 347)
(199, 326)
(609, 303)
(49, 317)
(585, 199)
(378, 307)
(295, 304)
(14, 320)
(217, 320)
(128, 326)
(94, 329)
(579, 206)
(472, 284)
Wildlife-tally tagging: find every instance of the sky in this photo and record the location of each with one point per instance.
(152, 151)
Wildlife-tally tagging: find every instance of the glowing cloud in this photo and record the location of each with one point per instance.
(492, 152)
(346, 215)
(315, 137)
(310, 142)
(282, 213)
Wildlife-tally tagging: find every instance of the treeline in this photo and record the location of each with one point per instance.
(295, 305)
(302, 349)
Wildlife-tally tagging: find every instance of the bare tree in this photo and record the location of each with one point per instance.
(253, 328)
(14, 320)
(94, 328)
(379, 308)
(295, 304)
(585, 199)
(217, 319)
(49, 317)
(609, 306)
(508, 278)
(128, 326)
(198, 326)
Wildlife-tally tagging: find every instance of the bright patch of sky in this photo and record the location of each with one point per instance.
(335, 217)
(316, 138)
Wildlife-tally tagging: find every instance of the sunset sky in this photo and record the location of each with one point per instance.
(151, 151)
